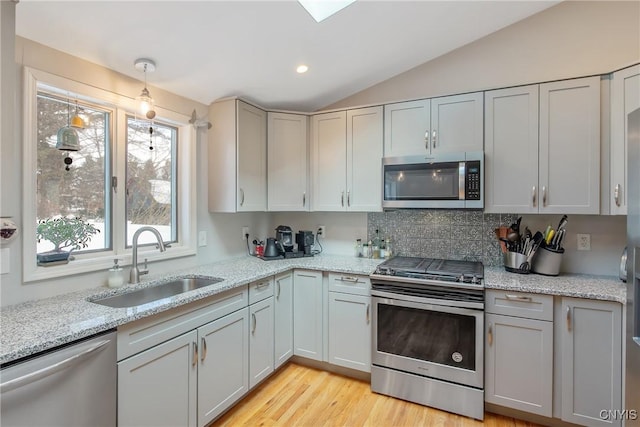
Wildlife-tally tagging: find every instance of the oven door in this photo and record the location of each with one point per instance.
(438, 341)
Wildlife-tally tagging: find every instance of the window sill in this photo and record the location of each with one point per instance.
(103, 262)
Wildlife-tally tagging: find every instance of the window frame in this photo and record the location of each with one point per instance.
(121, 106)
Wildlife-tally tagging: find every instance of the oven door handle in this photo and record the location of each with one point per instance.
(426, 306)
(423, 301)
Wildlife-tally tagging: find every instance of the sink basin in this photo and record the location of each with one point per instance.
(154, 293)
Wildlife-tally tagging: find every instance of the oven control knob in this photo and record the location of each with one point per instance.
(461, 278)
(475, 279)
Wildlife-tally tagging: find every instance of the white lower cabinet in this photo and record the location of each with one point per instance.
(283, 314)
(591, 336)
(519, 351)
(157, 387)
(261, 341)
(307, 314)
(223, 371)
(350, 331)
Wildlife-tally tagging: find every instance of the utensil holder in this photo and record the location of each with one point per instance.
(547, 261)
(514, 262)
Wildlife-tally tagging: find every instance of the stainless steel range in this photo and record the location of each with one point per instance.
(428, 322)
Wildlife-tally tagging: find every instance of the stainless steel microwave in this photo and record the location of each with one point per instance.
(443, 181)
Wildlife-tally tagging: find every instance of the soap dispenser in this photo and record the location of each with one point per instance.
(116, 275)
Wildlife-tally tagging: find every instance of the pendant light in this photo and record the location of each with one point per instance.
(146, 101)
(67, 139)
(76, 120)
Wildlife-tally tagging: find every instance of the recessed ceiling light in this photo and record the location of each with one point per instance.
(322, 9)
(302, 69)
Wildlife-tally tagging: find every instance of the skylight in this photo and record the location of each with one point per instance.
(322, 9)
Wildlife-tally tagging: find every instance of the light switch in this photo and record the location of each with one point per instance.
(5, 258)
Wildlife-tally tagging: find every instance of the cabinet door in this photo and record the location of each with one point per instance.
(364, 159)
(157, 387)
(328, 140)
(511, 150)
(570, 146)
(283, 328)
(307, 314)
(260, 341)
(519, 363)
(287, 162)
(591, 361)
(407, 128)
(223, 373)
(457, 123)
(252, 158)
(350, 331)
(625, 98)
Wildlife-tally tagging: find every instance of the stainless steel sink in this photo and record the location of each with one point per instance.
(154, 293)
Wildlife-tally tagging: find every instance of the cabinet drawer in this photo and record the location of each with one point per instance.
(260, 290)
(519, 304)
(142, 334)
(349, 283)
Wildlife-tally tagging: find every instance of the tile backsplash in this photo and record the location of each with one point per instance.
(452, 234)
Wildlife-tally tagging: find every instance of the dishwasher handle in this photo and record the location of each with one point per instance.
(50, 370)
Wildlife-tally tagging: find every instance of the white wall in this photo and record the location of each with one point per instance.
(571, 39)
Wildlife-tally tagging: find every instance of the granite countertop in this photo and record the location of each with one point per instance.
(34, 326)
(606, 288)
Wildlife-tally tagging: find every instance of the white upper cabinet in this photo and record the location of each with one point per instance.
(431, 126)
(546, 161)
(347, 160)
(625, 98)
(364, 159)
(237, 155)
(287, 160)
(511, 150)
(407, 128)
(456, 123)
(569, 174)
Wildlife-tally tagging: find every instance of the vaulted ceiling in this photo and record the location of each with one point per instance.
(205, 50)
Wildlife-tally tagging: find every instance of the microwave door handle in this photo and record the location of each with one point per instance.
(461, 176)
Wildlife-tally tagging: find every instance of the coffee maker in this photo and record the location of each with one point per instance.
(304, 240)
(284, 236)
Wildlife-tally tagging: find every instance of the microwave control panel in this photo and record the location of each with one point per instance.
(472, 180)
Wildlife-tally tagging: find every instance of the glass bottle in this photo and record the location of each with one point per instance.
(358, 248)
(116, 275)
(389, 250)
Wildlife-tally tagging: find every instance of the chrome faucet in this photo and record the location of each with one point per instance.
(134, 276)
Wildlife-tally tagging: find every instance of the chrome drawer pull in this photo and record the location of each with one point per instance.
(616, 194)
(350, 279)
(255, 323)
(518, 298)
(534, 195)
(368, 313)
(568, 318)
(204, 349)
(490, 335)
(194, 361)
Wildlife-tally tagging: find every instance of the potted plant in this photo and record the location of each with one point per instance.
(63, 232)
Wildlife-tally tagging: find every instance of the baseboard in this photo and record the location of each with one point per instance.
(526, 416)
(326, 366)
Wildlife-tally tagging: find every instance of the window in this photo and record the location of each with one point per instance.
(114, 181)
(81, 191)
(151, 184)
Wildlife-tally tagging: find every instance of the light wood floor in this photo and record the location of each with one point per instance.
(302, 396)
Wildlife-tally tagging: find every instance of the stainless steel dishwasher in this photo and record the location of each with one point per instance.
(75, 385)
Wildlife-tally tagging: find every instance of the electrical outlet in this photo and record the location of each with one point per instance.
(321, 230)
(202, 238)
(584, 242)
(245, 231)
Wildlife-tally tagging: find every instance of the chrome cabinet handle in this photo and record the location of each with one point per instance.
(304, 199)
(241, 197)
(348, 197)
(262, 285)
(49, 370)
(278, 293)
(426, 140)
(255, 323)
(349, 279)
(204, 349)
(490, 335)
(569, 318)
(616, 194)
(342, 198)
(544, 196)
(368, 306)
(534, 197)
(194, 361)
(517, 298)
(434, 139)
